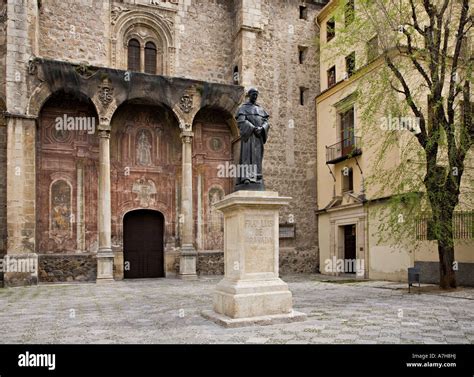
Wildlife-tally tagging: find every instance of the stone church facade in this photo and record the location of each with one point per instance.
(117, 132)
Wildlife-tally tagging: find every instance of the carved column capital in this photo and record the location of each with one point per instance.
(104, 133)
(187, 137)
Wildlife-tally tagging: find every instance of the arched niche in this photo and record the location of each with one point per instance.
(215, 134)
(145, 27)
(66, 174)
(145, 149)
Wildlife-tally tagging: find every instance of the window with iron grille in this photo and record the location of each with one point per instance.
(463, 227)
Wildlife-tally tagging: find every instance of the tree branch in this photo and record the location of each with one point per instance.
(422, 137)
(414, 60)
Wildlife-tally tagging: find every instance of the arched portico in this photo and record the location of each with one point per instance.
(183, 103)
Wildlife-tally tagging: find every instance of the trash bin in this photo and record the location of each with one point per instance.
(413, 277)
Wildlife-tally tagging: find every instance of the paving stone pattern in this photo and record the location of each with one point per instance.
(168, 311)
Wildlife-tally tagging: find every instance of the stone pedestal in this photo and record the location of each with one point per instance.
(251, 292)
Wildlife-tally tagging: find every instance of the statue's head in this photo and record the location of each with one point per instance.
(253, 94)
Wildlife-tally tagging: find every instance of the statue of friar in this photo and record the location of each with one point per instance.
(253, 126)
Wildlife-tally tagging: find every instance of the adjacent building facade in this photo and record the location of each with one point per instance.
(118, 135)
(354, 190)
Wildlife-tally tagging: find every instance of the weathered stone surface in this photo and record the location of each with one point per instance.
(251, 291)
(67, 268)
(299, 261)
(210, 263)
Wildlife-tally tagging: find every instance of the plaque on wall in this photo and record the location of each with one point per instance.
(287, 231)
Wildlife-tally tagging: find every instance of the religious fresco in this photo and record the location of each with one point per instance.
(61, 209)
(215, 220)
(58, 156)
(146, 170)
(212, 148)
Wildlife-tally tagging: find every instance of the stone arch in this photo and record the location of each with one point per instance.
(217, 113)
(43, 93)
(146, 27)
(129, 207)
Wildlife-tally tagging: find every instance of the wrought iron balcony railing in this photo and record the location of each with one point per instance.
(343, 150)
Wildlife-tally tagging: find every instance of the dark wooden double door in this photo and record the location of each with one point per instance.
(143, 244)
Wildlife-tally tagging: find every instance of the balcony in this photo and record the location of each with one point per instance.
(343, 150)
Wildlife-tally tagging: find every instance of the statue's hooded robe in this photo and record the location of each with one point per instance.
(250, 117)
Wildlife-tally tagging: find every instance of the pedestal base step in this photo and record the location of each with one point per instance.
(265, 320)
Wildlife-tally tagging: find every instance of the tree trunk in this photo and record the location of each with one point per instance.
(447, 275)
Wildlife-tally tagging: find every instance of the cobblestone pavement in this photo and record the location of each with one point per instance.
(168, 311)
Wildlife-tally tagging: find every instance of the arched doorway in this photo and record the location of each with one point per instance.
(143, 245)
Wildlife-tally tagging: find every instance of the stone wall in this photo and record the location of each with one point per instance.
(205, 41)
(74, 30)
(3, 185)
(429, 273)
(81, 31)
(67, 268)
(290, 155)
(210, 263)
(3, 46)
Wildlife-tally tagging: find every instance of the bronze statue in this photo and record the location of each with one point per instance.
(253, 125)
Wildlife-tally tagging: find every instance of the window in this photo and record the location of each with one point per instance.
(303, 95)
(331, 76)
(302, 52)
(350, 64)
(347, 131)
(347, 180)
(349, 12)
(463, 226)
(372, 49)
(303, 12)
(236, 76)
(150, 58)
(133, 55)
(330, 29)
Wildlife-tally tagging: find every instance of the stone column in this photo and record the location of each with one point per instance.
(187, 265)
(21, 261)
(81, 239)
(105, 256)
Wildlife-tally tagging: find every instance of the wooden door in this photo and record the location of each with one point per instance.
(350, 242)
(143, 244)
